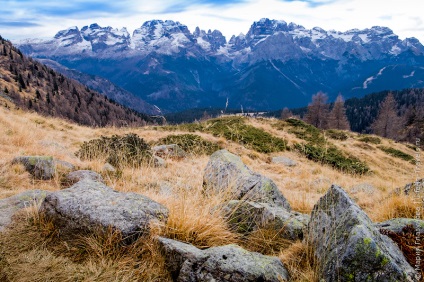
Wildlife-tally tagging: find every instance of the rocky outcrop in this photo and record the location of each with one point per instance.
(90, 204)
(10, 206)
(397, 224)
(226, 173)
(245, 217)
(229, 263)
(348, 246)
(284, 161)
(40, 167)
(172, 151)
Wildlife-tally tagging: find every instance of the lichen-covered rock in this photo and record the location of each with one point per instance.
(89, 204)
(11, 205)
(79, 175)
(226, 173)
(284, 160)
(40, 167)
(229, 263)
(397, 224)
(245, 217)
(348, 246)
(172, 151)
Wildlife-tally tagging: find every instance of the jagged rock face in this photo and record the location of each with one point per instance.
(226, 173)
(89, 204)
(103, 38)
(10, 206)
(162, 36)
(348, 246)
(228, 263)
(274, 65)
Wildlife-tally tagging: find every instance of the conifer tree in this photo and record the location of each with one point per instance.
(317, 114)
(337, 118)
(387, 124)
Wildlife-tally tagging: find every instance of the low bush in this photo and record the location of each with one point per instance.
(333, 157)
(191, 143)
(127, 150)
(396, 153)
(337, 134)
(370, 139)
(305, 131)
(235, 129)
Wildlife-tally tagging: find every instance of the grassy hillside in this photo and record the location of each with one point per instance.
(33, 251)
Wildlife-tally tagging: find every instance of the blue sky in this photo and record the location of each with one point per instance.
(42, 19)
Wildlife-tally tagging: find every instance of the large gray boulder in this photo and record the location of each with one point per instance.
(40, 167)
(348, 246)
(245, 217)
(10, 206)
(227, 174)
(397, 224)
(229, 263)
(89, 205)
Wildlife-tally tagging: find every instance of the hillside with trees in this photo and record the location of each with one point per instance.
(396, 115)
(30, 85)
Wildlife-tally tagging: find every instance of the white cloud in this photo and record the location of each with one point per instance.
(403, 17)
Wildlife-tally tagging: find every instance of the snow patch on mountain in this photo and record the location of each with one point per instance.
(370, 79)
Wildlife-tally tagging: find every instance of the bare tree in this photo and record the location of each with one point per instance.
(286, 113)
(337, 118)
(387, 123)
(317, 114)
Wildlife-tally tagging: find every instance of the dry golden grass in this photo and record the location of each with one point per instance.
(32, 251)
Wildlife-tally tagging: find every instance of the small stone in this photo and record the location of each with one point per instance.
(79, 175)
(284, 160)
(108, 168)
(363, 187)
(159, 162)
(172, 151)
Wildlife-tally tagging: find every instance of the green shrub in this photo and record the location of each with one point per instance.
(397, 154)
(191, 143)
(235, 129)
(333, 157)
(305, 131)
(337, 134)
(127, 150)
(370, 139)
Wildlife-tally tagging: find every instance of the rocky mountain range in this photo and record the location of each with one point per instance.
(274, 65)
